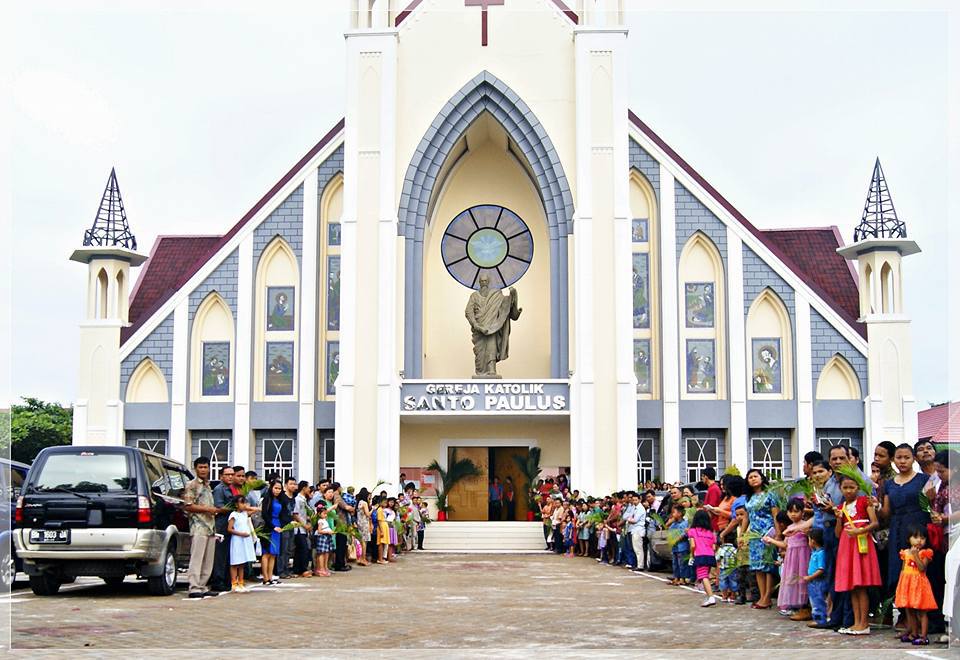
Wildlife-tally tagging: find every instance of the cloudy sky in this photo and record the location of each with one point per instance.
(202, 106)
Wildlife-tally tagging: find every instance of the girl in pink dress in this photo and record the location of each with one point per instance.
(793, 589)
(703, 543)
(857, 567)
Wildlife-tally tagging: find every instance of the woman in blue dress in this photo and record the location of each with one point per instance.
(762, 513)
(901, 506)
(275, 516)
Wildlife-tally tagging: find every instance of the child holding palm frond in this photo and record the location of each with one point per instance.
(680, 550)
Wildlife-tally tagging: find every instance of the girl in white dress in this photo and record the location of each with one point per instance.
(241, 544)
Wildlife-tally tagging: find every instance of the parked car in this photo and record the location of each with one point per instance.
(102, 511)
(12, 476)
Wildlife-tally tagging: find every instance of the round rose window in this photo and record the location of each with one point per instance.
(487, 240)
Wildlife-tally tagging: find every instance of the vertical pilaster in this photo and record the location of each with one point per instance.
(603, 432)
(179, 384)
(806, 435)
(242, 450)
(669, 327)
(306, 426)
(367, 430)
(739, 452)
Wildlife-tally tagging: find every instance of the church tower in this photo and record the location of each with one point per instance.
(109, 250)
(880, 244)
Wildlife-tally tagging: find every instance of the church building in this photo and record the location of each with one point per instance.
(642, 328)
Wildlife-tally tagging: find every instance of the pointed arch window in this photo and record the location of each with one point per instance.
(645, 273)
(211, 350)
(702, 330)
(328, 353)
(276, 352)
(770, 346)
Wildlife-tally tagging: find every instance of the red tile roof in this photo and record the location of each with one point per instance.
(814, 251)
(169, 258)
(833, 295)
(170, 277)
(940, 423)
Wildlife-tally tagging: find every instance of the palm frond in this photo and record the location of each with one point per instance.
(657, 519)
(851, 472)
(924, 502)
(733, 470)
(250, 486)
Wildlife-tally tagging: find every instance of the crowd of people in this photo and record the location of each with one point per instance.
(289, 529)
(838, 549)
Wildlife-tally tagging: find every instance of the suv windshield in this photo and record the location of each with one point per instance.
(85, 472)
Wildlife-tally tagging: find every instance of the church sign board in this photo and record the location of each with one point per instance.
(527, 397)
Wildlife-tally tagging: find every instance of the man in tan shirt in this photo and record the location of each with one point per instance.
(203, 539)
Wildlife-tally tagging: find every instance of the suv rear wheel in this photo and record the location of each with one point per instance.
(165, 583)
(8, 570)
(45, 584)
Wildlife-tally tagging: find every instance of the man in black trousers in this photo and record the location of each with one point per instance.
(222, 496)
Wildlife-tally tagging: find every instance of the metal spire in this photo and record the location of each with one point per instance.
(110, 228)
(879, 217)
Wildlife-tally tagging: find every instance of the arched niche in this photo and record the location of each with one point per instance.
(838, 380)
(121, 296)
(702, 307)
(147, 384)
(328, 286)
(644, 235)
(212, 351)
(770, 347)
(866, 303)
(276, 321)
(486, 155)
(102, 297)
(890, 384)
(886, 288)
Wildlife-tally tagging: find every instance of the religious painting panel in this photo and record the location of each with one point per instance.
(333, 366)
(641, 290)
(699, 304)
(333, 293)
(641, 364)
(215, 374)
(701, 366)
(767, 370)
(280, 301)
(279, 367)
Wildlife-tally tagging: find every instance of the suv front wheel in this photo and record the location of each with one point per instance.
(165, 583)
(45, 584)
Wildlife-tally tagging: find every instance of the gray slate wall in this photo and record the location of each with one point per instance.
(825, 341)
(158, 346)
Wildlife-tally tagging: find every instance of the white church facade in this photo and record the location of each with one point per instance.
(661, 331)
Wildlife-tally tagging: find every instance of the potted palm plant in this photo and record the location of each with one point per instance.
(459, 469)
(530, 469)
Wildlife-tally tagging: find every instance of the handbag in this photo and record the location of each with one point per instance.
(935, 538)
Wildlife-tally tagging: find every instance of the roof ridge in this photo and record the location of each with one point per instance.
(831, 302)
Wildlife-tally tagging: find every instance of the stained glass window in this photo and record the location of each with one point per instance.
(641, 290)
(487, 240)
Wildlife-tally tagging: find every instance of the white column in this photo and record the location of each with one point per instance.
(178, 399)
(242, 373)
(806, 434)
(309, 273)
(739, 454)
(80, 422)
(388, 379)
(669, 327)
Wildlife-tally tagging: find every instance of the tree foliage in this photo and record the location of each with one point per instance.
(37, 424)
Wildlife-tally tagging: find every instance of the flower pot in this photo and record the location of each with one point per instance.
(441, 515)
(529, 516)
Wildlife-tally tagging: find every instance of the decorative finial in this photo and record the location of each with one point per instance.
(879, 217)
(110, 228)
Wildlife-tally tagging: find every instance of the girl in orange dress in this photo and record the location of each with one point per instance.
(914, 593)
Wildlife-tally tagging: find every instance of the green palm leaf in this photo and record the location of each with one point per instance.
(853, 473)
(457, 470)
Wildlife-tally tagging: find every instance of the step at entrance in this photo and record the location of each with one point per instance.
(484, 536)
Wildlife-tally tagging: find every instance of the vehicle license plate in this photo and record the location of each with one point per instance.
(50, 536)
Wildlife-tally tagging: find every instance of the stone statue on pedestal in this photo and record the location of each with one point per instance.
(489, 313)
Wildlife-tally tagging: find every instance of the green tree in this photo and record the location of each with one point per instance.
(37, 424)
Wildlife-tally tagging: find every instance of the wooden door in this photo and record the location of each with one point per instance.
(504, 466)
(469, 497)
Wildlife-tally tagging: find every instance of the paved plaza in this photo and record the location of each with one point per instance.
(428, 602)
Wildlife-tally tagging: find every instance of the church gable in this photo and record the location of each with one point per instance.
(642, 161)
(158, 346)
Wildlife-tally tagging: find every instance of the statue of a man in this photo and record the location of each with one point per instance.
(489, 313)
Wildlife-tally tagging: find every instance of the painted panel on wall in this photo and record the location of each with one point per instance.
(701, 371)
(333, 293)
(641, 364)
(641, 230)
(767, 369)
(699, 304)
(279, 366)
(281, 301)
(333, 234)
(216, 368)
(641, 290)
(333, 365)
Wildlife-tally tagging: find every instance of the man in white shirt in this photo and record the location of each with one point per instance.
(637, 528)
